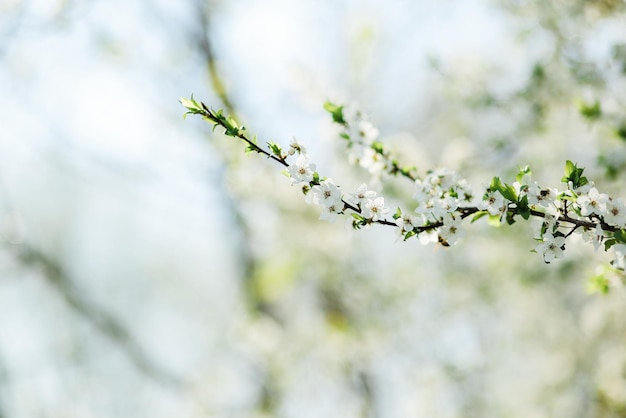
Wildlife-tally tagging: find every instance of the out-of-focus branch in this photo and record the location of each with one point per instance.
(206, 48)
(12, 26)
(247, 259)
(104, 321)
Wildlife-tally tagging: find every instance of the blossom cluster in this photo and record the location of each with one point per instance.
(599, 218)
(442, 198)
(362, 135)
(328, 195)
(364, 148)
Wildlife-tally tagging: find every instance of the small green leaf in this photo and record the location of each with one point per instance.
(609, 243)
(409, 234)
(398, 214)
(357, 217)
(574, 174)
(620, 236)
(275, 148)
(510, 218)
(336, 112)
(496, 184)
(522, 207)
(479, 215)
(190, 103)
(570, 167)
(509, 193)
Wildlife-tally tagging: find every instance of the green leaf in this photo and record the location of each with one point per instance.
(398, 214)
(510, 218)
(409, 234)
(190, 103)
(525, 213)
(570, 167)
(357, 217)
(336, 112)
(359, 221)
(609, 243)
(522, 207)
(574, 174)
(479, 215)
(620, 236)
(275, 148)
(509, 193)
(496, 184)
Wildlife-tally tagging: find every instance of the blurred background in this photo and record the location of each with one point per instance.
(149, 268)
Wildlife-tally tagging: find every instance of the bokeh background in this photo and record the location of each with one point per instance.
(149, 268)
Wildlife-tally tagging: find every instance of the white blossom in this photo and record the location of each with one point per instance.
(494, 203)
(407, 222)
(443, 178)
(592, 203)
(522, 186)
(326, 193)
(423, 191)
(551, 247)
(375, 209)
(301, 171)
(362, 194)
(296, 147)
(544, 197)
(329, 213)
(355, 153)
(550, 222)
(451, 230)
(449, 204)
(594, 236)
(428, 236)
(464, 191)
(620, 256)
(372, 161)
(436, 209)
(360, 129)
(367, 131)
(615, 212)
